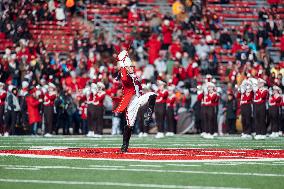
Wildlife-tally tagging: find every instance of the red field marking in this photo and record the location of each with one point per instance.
(155, 153)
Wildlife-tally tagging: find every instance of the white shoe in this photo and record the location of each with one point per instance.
(263, 137)
(221, 134)
(145, 134)
(97, 136)
(259, 137)
(246, 136)
(202, 134)
(47, 135)
(160, 135)
(274, 135)
(280, 133)
(90, 134)
(253, 134)
(140, 135)
(208, 136)
(6, 134)
(170, 134)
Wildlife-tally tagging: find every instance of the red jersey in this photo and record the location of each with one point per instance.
(98, 100)
(171, 101)
(90, 98)
(3, 95)
(275, 101)
(260, 96)
(246, 98)
(162, 96)
(208, 99)
(130, 87)
(49, 99)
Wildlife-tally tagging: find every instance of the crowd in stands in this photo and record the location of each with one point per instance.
(179, 48)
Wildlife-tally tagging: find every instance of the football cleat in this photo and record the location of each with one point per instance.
(124, 148)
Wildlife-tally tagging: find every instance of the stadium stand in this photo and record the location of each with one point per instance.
(69, 45)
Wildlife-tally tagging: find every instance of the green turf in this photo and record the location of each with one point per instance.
(258, 175)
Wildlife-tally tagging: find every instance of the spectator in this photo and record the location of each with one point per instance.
(12, 109)
(60, 15)
(202, 49)
(33, 104)
(231, 109)
(225, 39)
(177, 8)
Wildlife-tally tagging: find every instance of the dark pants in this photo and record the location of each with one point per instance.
(160, 113)
(48, 118)
(202, 118)
(33, 128)
(260, 119)
(91, 117)
(141, 112)
(61, 122)
(95, 118)
(246, 112)
(2, 125)
(170, 119)
(231, 124)
(84, 126)
(10, 121)
(209, 119)
(215, 127)
(274, 118)
(99, 119)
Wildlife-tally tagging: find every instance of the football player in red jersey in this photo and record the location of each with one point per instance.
(132, 97)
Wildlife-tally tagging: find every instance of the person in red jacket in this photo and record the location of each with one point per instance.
(179, 73)
(167, 31)
(245, 94)
(154, 46)
(48, 108)
(192, 70)
(274, 102)
(33, 110)
(132, 98)
(3, 95)
(260, 97)
(160, 108)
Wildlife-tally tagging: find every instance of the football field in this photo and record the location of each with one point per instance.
(176, 162)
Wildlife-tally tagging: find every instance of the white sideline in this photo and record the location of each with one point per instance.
(22, 168)
(184, 165)
(111, 184)
(148, 170)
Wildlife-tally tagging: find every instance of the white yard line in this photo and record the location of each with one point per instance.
(22, 168)
(145, 165)
(63, 182)
(108, 166)
(148, 170)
